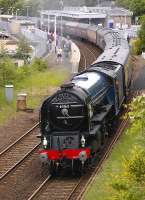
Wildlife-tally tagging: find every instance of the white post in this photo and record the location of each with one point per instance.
(55, 31)
(61, 27)
(61, 8)
(12, 11)
(17, 13)
(89, 21)
(9, 92)
(125, 20)
(41, 19)
(27, 7)
(48, 24)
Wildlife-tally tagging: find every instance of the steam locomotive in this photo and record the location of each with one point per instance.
(77, 118)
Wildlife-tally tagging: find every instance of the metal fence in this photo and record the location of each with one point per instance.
(131, 32)
(38, 40)
(36, 37)
(5, 26)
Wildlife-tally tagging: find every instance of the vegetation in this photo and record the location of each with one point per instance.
(142, 34)
(123, 175)
(32, 7)
(9, 6)
(8, 71)
(137, 6)
(35, 80)
(130, 185)
(139, 44)
(24, 50)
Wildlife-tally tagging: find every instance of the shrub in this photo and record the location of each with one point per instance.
(136, 48)
(8, 71)
(39, 65)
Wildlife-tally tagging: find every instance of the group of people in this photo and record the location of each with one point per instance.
(62, 48)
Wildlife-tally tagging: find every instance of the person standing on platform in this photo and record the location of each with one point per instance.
(59, 55)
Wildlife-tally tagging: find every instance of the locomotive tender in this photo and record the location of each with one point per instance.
(77, 118)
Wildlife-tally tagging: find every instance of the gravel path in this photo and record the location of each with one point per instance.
(15, 127)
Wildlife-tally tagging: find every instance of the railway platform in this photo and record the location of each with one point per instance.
(69, 60)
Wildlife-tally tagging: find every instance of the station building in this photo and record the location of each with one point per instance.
(113, 17)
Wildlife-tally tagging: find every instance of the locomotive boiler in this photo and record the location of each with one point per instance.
(76, 119)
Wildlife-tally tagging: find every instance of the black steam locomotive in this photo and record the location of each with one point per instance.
(77, 118)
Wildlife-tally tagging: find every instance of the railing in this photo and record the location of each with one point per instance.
(38, 40)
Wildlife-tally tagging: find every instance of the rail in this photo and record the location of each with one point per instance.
(17, 151)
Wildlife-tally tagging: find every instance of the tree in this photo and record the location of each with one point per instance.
(24, 49)
(130, 185)
(137, 113)
(8, 71)
(39, 65)
(142, 34)
(90, 3)
(135, 168)
(10, 5)
(37, 5)
(137, 6)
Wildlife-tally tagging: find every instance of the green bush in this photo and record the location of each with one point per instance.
(136, 47)
(39, 65)
(8, 71)
(11, 74)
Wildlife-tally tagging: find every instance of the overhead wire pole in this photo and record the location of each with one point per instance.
(55, 18)
(61, 8)
(27, 11)
(41, 19)
(48, 18)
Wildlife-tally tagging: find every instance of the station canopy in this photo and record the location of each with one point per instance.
(88, 12)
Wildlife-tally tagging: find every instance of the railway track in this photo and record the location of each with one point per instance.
(22, 179)
(20, 182)
(73, 188)
(20, 168)
(89, 54)
(17, 151)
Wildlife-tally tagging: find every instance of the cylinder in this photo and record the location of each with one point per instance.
(9, 92)
(21, 102)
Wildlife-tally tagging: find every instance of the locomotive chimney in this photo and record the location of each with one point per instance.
(67, 86)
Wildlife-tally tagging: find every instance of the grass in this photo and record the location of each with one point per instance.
(101, 188)
(37, 86)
